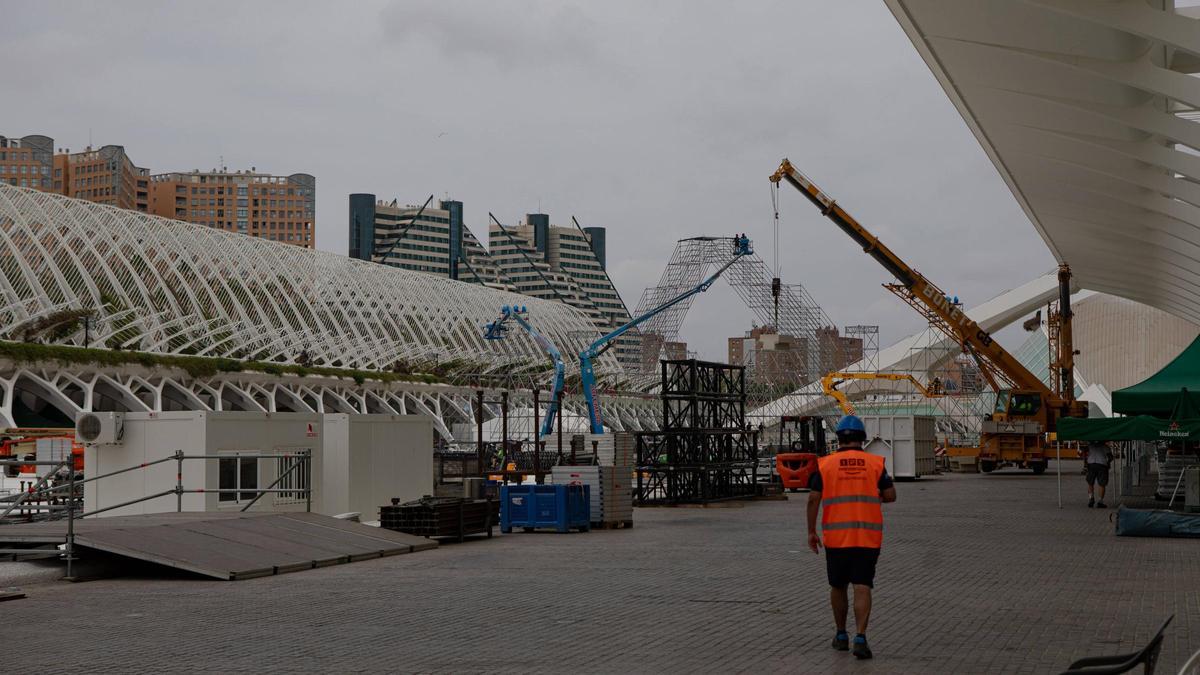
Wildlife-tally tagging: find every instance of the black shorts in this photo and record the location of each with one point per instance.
(1097, 474)
(853, 565)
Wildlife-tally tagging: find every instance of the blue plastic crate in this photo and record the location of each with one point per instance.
(563, 507)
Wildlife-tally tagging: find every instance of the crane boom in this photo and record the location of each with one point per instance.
(496, 330)
(922, 293)
(741, 247)
(830, 382)
(1027, 408)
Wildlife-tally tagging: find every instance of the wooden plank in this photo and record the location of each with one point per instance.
(176, 548)
(227, 545)
(344, 528)
(417, 543)
(321, 548)
(358, 547)
(263, 549)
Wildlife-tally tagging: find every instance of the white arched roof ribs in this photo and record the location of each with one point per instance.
(196, 290)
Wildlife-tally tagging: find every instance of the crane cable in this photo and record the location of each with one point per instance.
(775, 282)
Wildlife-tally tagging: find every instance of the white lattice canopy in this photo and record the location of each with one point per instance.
(164, 286)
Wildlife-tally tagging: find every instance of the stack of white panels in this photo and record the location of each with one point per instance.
(610, 489)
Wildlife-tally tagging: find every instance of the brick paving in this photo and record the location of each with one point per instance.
(980, 574)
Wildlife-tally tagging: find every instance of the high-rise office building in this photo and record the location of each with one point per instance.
(564, 264)
(535, 258)
(27, 161)
(434, 240)
(278, 208)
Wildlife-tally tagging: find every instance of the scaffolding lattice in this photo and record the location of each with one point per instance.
(966, 398)
(869, 337)
(798, 314)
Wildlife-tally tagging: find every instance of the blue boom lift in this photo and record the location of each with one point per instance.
(497, 329)
(741, 247)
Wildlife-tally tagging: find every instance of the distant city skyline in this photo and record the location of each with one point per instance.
(246, 201)
(623, 114)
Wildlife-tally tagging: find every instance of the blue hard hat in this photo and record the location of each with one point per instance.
(850, 423)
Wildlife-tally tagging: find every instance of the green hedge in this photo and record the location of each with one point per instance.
(196, 366)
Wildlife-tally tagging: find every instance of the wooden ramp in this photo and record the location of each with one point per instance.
(229, 546)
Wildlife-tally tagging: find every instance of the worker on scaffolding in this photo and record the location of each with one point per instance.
(849, 488)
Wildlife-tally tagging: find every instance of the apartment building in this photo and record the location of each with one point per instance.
(27, 161)
(535, 258)
(105, 175)
(566, 264)
(277, 208)
(432, 239)
(775, 358)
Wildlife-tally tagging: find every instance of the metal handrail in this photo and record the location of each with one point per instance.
(178, 490)
(25, 495)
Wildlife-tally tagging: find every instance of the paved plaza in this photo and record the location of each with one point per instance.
(979, 574)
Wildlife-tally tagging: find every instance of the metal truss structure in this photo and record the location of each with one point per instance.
(155, 285)
(868, 336)
(799, 315)
(61, 391)
(705, 451)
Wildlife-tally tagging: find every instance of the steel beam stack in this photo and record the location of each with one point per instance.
(705, 451)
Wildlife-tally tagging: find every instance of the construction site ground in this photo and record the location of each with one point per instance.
(979, 574)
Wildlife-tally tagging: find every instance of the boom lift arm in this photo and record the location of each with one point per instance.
(829, 384)
(925, 296)
(741, 247)
(497, 329)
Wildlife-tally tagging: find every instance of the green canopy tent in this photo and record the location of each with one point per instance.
(1138, 428)
(1161, 407)
(1159, 395)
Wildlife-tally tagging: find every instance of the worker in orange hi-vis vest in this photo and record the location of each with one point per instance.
(849, 488)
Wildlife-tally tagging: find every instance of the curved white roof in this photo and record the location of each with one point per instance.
(1087, 108)
(165, 286)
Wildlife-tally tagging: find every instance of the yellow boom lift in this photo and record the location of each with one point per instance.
(1026, 408)
(831, 381)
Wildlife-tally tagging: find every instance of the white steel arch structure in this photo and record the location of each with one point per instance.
(163, 286)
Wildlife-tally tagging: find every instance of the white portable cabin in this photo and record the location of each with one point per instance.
(359, 462)
(906, 441)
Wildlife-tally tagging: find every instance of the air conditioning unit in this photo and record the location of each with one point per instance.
(100, 428)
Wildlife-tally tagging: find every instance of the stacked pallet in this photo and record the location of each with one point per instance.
(441, 517)
(615, 449)
(610, 488)
(624, 449)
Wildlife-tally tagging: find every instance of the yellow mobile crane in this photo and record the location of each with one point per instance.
(1026, 409)
(829, 384)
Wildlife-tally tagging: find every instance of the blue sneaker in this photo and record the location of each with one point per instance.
(841, 642)
(861, 650)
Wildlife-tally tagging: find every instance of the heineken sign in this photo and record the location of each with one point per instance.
(1140, 428)
(1174, 431)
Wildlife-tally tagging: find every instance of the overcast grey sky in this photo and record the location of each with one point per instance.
(656, 120)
